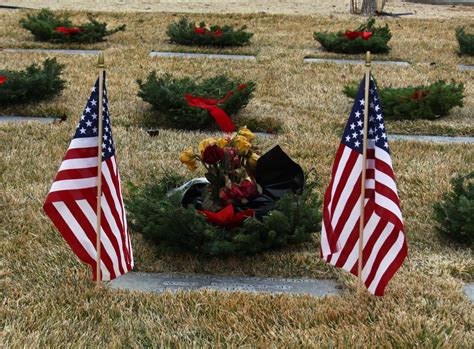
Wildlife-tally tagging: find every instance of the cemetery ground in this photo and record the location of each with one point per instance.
(49, 299)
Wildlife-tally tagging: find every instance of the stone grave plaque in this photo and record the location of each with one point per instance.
(354, 61)
(201, 55)
(432, 139)
(174, 282)
(45, 50)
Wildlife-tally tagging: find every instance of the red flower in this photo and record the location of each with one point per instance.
(212, 154)
(354, 35)
(227, 216)
(218, 33)
(231, 156)
(3, 79)
(419, 94)
(68, 31)
(238, 194)
(200, 30)
(248, 189)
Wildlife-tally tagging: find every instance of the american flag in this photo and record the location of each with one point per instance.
(72, 201)
(384, 244)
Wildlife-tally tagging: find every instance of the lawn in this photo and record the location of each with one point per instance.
(48, 298)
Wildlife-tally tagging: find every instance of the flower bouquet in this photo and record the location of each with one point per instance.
(246, 203)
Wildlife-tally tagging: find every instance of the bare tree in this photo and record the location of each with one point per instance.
(367, 8)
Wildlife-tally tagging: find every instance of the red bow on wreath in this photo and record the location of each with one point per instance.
(354, 35)
(202, 31)
(69, 31)
(221, 117)
(418, 95)
(227, 216)
(3, 79)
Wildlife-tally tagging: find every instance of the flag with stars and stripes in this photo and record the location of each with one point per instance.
(384, 244)
(72, 201)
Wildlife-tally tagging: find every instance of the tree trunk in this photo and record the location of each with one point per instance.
(369, 7)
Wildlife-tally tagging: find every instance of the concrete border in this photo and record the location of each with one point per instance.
(47, 50)
(354, 61)
(201, 55)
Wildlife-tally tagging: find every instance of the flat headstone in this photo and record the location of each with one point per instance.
(469, 291)
(201, 55)
(171, 282)
(353, 61)
(45, 50)
(43, 120)
(465, 67)
(433, 139)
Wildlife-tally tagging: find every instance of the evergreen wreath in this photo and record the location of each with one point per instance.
(417, 102)
(466, 42)
(162, 218)
(186, 32)
(47, 26)
(455, 214)
(167, 95)
(32, 84)
(365, 38)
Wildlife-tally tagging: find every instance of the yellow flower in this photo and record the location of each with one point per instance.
(252, 160)
(205, 143)
(242, 144)
(222, 142)
(244, 131)
(188, 158)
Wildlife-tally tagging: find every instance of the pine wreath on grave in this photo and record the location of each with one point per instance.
(186, 32)
(192, 104)
(47, 26)
(245, 204)
(32, 84)
(417, 102)
(366, 37)
(455, 213)
(466, 42)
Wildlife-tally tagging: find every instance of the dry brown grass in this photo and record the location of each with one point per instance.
(48, 300)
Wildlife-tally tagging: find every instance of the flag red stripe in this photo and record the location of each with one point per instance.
(392, 237)
(79, 153)
(77, 173)
(351, 162)
(91, 233)
(353, 239)
(391, 270)
(67, 233)
(115, 181)
(67, 195)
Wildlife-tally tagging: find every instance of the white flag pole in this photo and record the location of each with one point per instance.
(99, 166)
(364, 166)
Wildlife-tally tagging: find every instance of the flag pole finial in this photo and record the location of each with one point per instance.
(368, 59)
(101, 60)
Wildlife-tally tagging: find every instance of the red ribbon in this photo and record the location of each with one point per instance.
(221, 117)
(227, 216)
(354, 35)
(3, 79)
(202, 31)
(68, 31)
